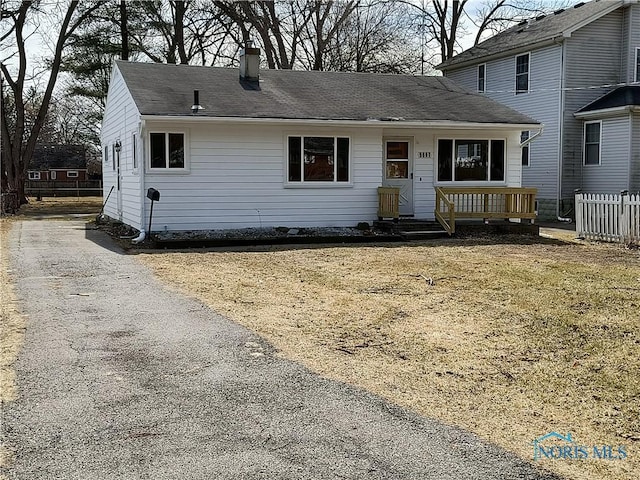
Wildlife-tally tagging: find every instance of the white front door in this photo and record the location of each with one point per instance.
(398, 170)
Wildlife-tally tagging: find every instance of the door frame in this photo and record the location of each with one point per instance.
(409, 209)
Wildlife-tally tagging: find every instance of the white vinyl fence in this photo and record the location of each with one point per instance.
(611, 218)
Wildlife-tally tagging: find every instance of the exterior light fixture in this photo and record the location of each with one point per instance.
(118, 146)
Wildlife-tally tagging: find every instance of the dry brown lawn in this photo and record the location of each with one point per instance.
(60, 206)
(508, 340)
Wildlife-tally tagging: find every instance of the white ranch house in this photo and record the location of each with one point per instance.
(294, 148)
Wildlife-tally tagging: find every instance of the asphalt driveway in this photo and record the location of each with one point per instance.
(122, 378)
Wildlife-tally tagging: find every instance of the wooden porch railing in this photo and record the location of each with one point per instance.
(483, 202)
(388, 202)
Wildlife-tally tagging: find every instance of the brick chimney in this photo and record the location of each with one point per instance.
(250, 63)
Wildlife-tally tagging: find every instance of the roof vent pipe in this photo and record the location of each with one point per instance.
(250, 63)
(196, 102)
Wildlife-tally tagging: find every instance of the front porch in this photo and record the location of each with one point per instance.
(479, 204)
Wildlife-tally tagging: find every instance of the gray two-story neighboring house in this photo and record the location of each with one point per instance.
(577, 71)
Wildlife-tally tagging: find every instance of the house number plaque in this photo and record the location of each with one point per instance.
(424, 154)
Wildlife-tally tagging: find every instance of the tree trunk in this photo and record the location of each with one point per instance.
(124, 30)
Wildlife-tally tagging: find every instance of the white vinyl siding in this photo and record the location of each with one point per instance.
(237, 180)
(612, 173)
(601, 39)
(634, 181)
(121, 118)
(631, 43)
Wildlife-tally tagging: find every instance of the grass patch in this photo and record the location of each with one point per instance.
(510, 341)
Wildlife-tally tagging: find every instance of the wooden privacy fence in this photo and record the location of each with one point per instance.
(610, 218)
(483, 202)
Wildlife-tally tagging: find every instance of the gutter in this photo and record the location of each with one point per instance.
(345, 123)
(607, 112)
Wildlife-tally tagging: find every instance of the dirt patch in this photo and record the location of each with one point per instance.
(508, 340)
(12, 324)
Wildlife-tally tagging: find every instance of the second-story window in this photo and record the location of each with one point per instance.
(482, 69)
(522, 73)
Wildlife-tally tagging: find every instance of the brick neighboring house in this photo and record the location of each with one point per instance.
(58, 162)
(577, 71)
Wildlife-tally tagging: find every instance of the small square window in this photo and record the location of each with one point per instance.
(167, 150)
(34, 175)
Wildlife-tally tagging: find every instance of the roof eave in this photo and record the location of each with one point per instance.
(555, 39)
(504, 53)
(606, 112)
(338, 122)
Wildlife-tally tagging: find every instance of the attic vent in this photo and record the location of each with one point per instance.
(540, 17)
(578, 5)
(558, 12)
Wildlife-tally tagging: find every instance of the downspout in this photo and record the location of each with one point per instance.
(561, 134)
(142, 173)
(532, 138)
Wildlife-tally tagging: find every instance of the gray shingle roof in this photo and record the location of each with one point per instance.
(534, 31)
(161, 89)
(628, 95)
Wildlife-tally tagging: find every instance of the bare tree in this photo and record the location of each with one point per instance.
(444, 24)
(376, 37)
(19, 143)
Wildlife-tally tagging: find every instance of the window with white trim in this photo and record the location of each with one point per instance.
(72, 174)
(592, 141)
(167, 150)
(524, 136)
(471, 160)
(318, 159)
(637, 78)
(34, 175)
(482, 75)
(53, 174)
(522, 74)
(106, 154)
